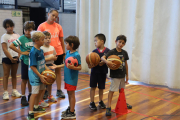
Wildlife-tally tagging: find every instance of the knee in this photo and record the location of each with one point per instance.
(93, 89)
(24, 81)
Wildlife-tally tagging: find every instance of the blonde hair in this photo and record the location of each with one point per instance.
(36, 35)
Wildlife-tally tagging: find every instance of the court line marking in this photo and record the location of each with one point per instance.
(11, 77)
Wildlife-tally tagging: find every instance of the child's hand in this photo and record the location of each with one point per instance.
(25, 53)
(14, 60)
(53, 67)
(101, 63)
(111, 64)
(54, 57)
(42, 78)
(70, 66)
(127, 78)
(90, 65)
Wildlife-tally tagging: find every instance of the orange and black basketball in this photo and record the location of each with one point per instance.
(71, 61)
(116, 60)
(51, 77)
(93, 58)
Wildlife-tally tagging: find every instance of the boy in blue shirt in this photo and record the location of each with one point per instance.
(36, 67)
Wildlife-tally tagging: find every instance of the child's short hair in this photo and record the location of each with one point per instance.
(74, 40)
(52, 9)
(9, 22)
(101, 37)
(36, 35)
(121, 37)
(46, 33)
(28, 25)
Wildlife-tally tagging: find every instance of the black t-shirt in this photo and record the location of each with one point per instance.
(121, 71)
(100, 69)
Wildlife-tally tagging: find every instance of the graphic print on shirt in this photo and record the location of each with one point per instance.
(123, 62)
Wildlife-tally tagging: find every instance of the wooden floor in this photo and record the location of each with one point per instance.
(149, 103)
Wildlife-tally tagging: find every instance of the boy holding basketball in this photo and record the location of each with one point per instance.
(36, 67)
(118, 75)
(98, 73)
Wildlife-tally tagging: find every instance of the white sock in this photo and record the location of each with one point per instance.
(31, 112)
(36, 106)
(22, 95)
(14, 90)
(5, 91)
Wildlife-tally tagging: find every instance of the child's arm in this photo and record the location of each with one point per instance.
(127, 76)
(46, 67)
(42, 77)
(73, 67)
(51, 58)
(56, 66)
(13, 47)
(109, 63)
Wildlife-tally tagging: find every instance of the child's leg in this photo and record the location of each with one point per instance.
(72, 100)
(23, 86)
(14, 68)
(39, 97)
(6, 69)
(29, 87)
(58, 78)
(101, 94)
(49, 89)
(92, 94)
(32, 101)
(110, 95)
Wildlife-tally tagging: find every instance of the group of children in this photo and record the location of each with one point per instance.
(37, 54)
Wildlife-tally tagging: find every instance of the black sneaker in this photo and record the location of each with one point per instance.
(129, 106)
(24, 102)
(68, 115)
(30, 116)
(102, 105)
(39, 110)
(29, 97)
(45, 95)
(68, 109)
(60, 94)
(92, 106)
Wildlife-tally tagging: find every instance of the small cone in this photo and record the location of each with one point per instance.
(121, 106)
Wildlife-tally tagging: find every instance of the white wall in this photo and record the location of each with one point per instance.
(4, 14)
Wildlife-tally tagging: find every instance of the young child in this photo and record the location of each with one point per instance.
(25, 43)
(36, 67)
(10, 59)
(71, 75)
(98, 73)
(50, 57)
(117, 76)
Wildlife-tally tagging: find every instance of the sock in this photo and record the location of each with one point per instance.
(5, 91)
(22, 95)
(31, 112)
(36, 106)
(14, 90)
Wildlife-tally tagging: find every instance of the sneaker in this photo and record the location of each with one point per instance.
(29, 96)
(68, 109)
(24, 102)
(45, 95)
(52, 99)
(108, 111)
(5, 96)
(129, 106)
(102, 105)
(92, 106)
(60, 94)
(39, 110)
(68, 115)
(43, 104)
(30, 116)
(15, 93)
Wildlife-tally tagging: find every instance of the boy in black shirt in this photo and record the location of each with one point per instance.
(117, 76)
(98, 73)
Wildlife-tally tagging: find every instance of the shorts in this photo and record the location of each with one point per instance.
(69, 87)
(98, 78)
(49, 67)
(35, 89)
(6, 60)
(59, 60)
(117, 83)
(24, 71)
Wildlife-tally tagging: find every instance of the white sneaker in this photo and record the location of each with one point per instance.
(43, 104)
(5, 96)
(15, 93)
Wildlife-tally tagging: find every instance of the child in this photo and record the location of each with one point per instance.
(98, 73)
(25, 43)
(71, 75)
(50, 57)
(117, 76)
(36, 66)
(10, 59)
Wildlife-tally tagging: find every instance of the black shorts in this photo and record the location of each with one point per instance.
(24, 70)
(59, 60)
(6, 60)
(98, 78)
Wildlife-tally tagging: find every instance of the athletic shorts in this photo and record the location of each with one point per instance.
(6, 60)
(59, 60)
(49, 67)
(24, 71)
(69, 87)
(117, 83)
(35, 89)
(98, 78)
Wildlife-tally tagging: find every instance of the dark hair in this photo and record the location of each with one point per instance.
(121, 37)
(52, 9)
(28, 25)
(74, 40)
(46, 33)
(101, 37)
(9, 22)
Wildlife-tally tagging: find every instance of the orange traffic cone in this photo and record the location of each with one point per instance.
(121, 106)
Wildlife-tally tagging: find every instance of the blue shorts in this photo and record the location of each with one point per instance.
(24, 70)
(98, 78)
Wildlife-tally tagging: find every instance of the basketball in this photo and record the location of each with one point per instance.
(51, 77)
(116, 60)
(71, 61)
(93, 58)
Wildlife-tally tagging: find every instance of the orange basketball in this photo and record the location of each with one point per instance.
(93, 58)
(116, 60)
(51, 77)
